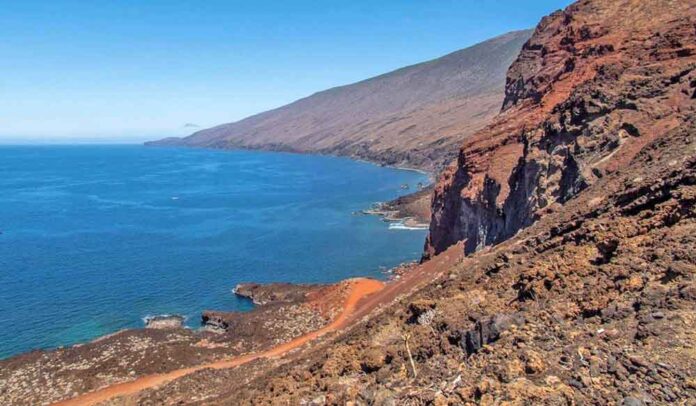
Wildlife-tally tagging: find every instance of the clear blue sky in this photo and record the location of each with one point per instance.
(134, 70)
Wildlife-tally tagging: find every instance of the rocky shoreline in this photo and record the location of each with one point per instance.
(164, 321)
(576, 209)
(411, 211)
(283, 312)
(264, 294)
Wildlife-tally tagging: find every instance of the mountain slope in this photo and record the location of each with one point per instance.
(591, 88)
(414, 116)
(577, 207)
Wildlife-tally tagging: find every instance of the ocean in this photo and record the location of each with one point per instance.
(94, 239)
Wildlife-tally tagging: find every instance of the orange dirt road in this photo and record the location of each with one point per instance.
(359, 289)
(365, 296)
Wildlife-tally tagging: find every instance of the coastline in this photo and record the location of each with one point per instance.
(431, 174)
(172, 319)
(152, 358)
(222, 334)
(558, 266)
(410, 211)
(400, 212)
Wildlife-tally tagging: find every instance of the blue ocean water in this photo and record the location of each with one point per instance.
(94, 238)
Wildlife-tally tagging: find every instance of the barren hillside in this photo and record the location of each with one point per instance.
(562, 258)
(415, 116)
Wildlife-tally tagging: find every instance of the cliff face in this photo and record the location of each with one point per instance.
(594, 85)
(593, 303)
(415, 116)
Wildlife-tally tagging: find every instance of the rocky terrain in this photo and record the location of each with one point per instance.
(415, 116)
(164, 346)
(560, 266)
(577, 206)
(594, 85)
(275, 292)
(593, 304)
(413, 209)
(284, 311)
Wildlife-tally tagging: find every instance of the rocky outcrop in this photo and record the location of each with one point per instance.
(271, 293)
(415, 116)
(164, 322)
(283, 311)
(488, 330)
(412, 210)
(215, 321)
(595, 83)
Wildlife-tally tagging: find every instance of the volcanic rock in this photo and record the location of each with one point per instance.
(488, 330)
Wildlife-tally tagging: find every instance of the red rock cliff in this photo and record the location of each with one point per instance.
(595, 84)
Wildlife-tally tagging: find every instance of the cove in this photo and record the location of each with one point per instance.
(95, 238)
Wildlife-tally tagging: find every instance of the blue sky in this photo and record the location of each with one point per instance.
(135, 70)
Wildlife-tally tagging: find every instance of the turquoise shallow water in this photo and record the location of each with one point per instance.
(94, 238)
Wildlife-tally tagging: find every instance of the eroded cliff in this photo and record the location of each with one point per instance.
(578, 206)
(594, 85)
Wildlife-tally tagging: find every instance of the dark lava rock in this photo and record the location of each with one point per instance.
(615, 312)
(214, 321)
(488, 330)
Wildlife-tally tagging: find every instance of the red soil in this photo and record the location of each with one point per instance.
(359, 289)
(365, 295)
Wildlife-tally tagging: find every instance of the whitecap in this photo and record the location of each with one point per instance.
(401, 226)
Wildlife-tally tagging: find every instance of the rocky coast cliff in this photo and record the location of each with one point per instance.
(560, 261)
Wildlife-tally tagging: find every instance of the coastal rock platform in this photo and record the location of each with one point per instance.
(284, 312)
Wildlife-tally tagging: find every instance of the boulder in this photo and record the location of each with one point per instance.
(488, 330)
(164, 322)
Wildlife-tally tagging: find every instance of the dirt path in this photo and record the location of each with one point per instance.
(365, 296)
(360, 288)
